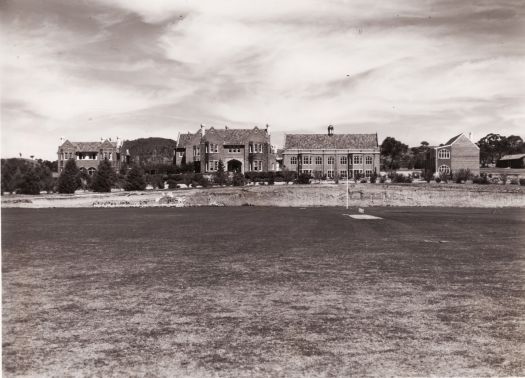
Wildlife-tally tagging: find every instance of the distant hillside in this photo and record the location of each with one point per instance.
(147, 151)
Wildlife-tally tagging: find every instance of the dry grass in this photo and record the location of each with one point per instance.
(262, 292)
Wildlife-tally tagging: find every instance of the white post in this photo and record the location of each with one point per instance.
(346, 190)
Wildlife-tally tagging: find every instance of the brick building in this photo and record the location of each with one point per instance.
(457, 153)
(88, 155)
(332, 154)
(241, 150)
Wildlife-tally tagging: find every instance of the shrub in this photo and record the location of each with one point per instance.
(373, 178)
(289, 176)
(462, 175)
(271, 178)
(69, 179)
(363, 181)
(503, 179)
(155, 180)
(482, 180)
(238, 179)
(438, 179)
(172, 184)
(198, 179)
(135, 179)
(514, 181)
(399, 178)
(104, 177)
(382, 179)
(303, 178)
(522, 182)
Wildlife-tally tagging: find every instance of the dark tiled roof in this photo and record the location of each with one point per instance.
(452, 140)
(339, 141)
(90, 146)
(235, 136)
(184, 140)
(228, 136)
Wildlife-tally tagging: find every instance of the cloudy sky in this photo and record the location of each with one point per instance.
(413, 69)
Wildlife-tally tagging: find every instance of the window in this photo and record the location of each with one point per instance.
(368, 173)
(256, 147)
(91, 171)
(257, 165)
(444, 169)
(368, 160)
(358, 172)
(358, 159)
(293, 160)
(444, 154)
(110, 156)
(318, 160)
(342, 174)
(331, 161)
(214, 148)
(273, 166)
(307, 160)
(343, 160)
(213, 165)
(330, 172)
(234, 149)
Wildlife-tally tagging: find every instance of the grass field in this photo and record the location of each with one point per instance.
(252, 291)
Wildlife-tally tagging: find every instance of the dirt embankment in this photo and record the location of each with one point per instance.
(289, 195)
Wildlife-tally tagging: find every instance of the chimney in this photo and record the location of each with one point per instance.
(330, 130)
(61, 141)
(226, 127)
(471, 136)
(267, 129)
(203, 130)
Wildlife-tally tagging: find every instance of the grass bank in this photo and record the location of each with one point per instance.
(449, 195)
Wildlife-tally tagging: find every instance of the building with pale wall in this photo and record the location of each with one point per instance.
(344, 155)
(459, 152)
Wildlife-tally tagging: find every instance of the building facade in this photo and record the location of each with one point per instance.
(88, 155)
(344, 155)
(241, 150)
(457, 153)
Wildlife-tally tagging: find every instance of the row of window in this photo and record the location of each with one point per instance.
(257, 165)
(307, 160)
(444, 169)
(86, 156)
(343, 173)
(444, 154)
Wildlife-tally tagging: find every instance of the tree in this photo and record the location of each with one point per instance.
(220, 176)
(491, 148)
(104, 177)
(135, 179)
(69, 179)
(30, 183)
(391, 151)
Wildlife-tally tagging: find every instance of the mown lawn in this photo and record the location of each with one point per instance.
(263, 292)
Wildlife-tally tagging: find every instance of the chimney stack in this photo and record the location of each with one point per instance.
(471, 136)
(267, 129)
(203, 131)
(330, 130)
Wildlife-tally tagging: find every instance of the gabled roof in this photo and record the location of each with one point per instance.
(335, 141)
(513, 157)
(452, 140)
(185, 139)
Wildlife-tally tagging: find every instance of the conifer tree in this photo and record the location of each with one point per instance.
(69, 179)
(220, 176)
(104, 177)
(135, 179)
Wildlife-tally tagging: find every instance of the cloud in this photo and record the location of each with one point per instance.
(415, 70)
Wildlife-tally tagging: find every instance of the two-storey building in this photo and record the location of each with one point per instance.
(344, 155)
(241, 150)
(457, 153)
(87, 155)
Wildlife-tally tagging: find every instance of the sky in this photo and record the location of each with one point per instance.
(417, 70)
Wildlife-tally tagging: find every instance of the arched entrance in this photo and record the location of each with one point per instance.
(234, 166)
